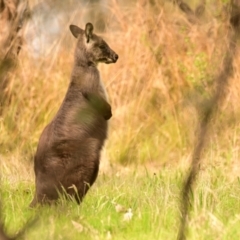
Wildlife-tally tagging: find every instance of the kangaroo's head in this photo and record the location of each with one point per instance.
(92, 48)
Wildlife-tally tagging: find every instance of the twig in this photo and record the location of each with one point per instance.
(221, 81)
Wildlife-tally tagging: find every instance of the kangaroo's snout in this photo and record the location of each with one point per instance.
(112, 58)
(115, 57)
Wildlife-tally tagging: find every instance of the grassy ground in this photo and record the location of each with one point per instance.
(153, 198)
(161, 82)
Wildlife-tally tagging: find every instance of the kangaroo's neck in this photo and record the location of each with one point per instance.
(82, 59)
(85, 75)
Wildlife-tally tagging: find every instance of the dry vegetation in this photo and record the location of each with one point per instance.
(164, 75)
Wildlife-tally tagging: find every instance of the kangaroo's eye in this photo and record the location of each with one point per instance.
(102, 47)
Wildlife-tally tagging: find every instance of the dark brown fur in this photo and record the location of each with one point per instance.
(68, 153)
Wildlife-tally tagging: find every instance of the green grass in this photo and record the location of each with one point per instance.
(153, 198)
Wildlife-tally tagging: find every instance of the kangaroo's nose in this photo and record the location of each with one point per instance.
(115, 57)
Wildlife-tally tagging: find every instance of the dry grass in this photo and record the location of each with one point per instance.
(163, 76)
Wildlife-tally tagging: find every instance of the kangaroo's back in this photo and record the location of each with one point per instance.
(69, 148)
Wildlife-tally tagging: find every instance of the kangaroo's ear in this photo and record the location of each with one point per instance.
(88, 31)
(75, 30)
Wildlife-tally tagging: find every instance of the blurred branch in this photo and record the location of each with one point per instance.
(192, 15)
(20, 234)
(207, 114)
(3, 235)
(13, 15)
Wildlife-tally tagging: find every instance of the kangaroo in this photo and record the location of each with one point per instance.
(68, 153)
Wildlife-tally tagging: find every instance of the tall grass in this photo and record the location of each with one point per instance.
(152, 197)
(164, 72)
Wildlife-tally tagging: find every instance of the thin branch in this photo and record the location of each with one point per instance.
(221, 81)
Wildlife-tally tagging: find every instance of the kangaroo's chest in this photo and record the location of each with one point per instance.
(102, 90)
